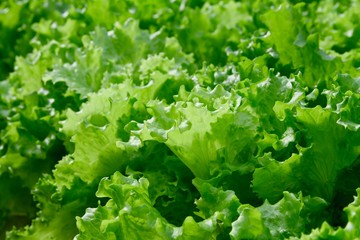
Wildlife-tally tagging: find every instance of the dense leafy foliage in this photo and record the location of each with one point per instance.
(159, 119)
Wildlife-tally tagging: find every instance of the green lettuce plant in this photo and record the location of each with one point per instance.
(179, 119)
